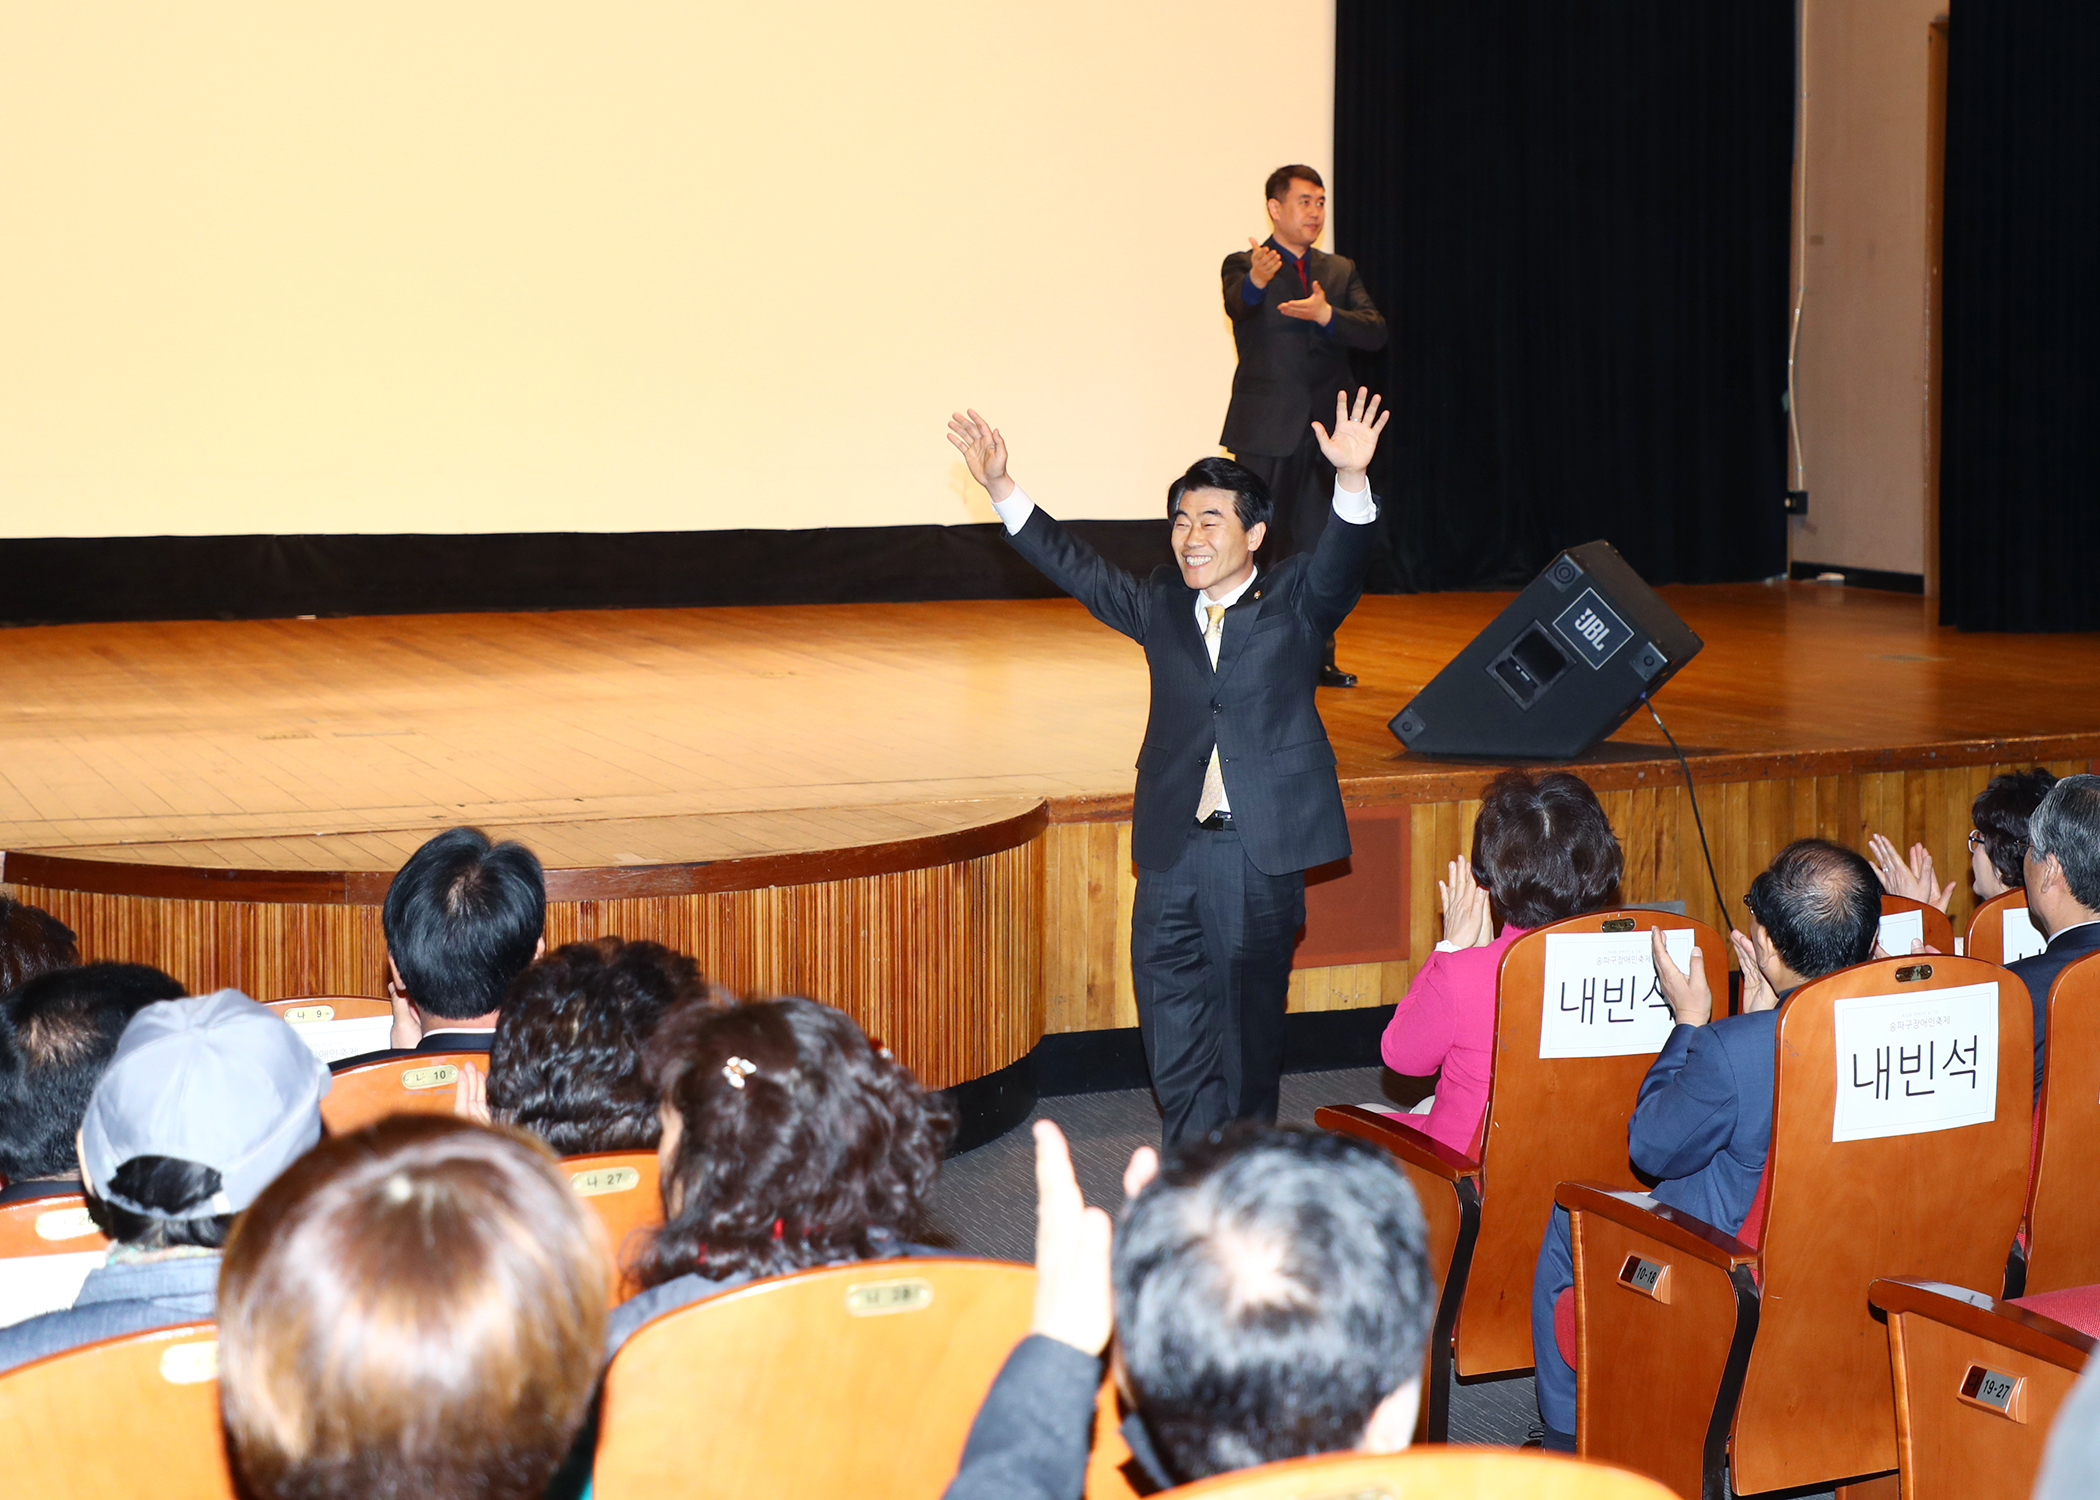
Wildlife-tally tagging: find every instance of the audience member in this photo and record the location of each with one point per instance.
(32, 942)
(1542, 851)
(2071, 1462)
(2061, 866)
(1271, 1298)
(1702, 1122)
(205, 1101)
(1996, 842)
(355, 1362)
(57, 1033)
(789, 1141)
(462, 918)
(567, 1060)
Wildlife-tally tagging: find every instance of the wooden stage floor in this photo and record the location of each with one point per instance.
(764, 728)
(920, 811)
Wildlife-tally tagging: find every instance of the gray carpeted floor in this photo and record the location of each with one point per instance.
(985, 1205)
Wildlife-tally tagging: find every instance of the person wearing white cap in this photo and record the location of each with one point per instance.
(205, 1101)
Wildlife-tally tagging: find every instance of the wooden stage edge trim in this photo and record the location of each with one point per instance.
(183, 882)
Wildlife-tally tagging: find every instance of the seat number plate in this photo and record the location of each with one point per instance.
(1651, 1278)
(1996, 1392)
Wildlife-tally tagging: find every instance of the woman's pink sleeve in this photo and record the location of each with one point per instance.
(1423, 1025)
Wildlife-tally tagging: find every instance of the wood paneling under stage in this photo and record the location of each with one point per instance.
(166, 785)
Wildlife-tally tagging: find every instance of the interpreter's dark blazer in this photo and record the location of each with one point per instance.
(1256, 708)
(2039, 972)
(1290, 369)
(1703, 1119)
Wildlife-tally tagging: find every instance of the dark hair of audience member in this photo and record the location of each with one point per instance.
(795, 1139)
(1280, 181)
(1543, 849)
(566, 1062)
(2000, 813)
(57, 1033)
(166, 1183)
(2066, 827)
(462, 917)
(32, 942)
(1820, 905)
(1272, 1288)
(417, 1308)
(1251, 501)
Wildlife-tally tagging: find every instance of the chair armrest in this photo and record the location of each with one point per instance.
(1412, 1146)
(1682, 1232)
(1985, 1317)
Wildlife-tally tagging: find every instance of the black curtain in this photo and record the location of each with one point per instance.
(1575, 217)
(2020, 319)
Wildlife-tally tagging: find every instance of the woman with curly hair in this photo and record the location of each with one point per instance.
(789, 1141)
(1543, 851)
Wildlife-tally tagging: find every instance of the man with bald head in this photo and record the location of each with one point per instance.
(1702, 1122)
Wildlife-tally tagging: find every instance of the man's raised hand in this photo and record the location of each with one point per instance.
(1688, 995)
(984, 450)
(1264, 262)
(1355, 436)
(1074, 1302)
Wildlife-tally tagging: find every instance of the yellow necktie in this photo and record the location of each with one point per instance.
(1213, 774)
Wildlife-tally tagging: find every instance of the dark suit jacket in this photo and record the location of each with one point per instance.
(1256, 708)
(1703, 1120)
(444, 1041)
(2040, 971)
(1290, 369)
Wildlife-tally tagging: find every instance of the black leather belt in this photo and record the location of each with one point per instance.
(1217, 822)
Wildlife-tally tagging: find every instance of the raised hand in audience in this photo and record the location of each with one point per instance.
(1468, 921)
(1074, 1301)
(1758, 993)
(1916, 879)
(408, 1026)
(1690, 999)
(470, 1096)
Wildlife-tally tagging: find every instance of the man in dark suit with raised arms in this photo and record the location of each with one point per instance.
(1296, 313)
(1236, 789)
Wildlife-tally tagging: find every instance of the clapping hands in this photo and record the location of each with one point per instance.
(1915, 879)
(1468, 920)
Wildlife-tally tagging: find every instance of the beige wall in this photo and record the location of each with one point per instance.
(655, 264)
(1860, 376)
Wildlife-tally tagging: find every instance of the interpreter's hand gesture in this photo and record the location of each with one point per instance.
(984, 450)
(1690, 998)
(1916, 879)
(1468, 920)
(1758, 993)
(1313, 308)
(1074, 1300)
(1355, 437)
(1265, 262)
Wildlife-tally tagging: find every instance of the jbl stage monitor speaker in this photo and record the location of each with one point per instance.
(1560, 669)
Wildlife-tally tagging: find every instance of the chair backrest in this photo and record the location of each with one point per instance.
(620, 1187)
(338, 1027)
(2063, 1211)
(2002, 917)
(1430, 1474)
(1896, 1045)
(1978, 1385)
(854, 1380)
(421, 1083)
(1932, 924)
(1557, 1119)
(57, 1225)
(137, 1415)
(307, 1009)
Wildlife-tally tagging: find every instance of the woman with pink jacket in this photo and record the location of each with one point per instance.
(1542, 851)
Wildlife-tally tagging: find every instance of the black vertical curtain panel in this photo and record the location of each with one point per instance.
(1575, 216)
(2020, 318)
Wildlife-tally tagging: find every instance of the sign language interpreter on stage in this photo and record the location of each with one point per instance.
(1236, 789)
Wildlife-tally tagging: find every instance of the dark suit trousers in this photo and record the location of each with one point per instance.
(1302, 485)
(1210, 959)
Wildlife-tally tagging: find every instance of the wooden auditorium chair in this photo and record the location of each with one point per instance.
(1549, 1120)
(1429, 1474)
(857, 1380)
(1987, 926)
(48, 1246)
(1977, 1384)
(2061, 1238)
(137, 1415)
(310, 1008)
(1937, 926)
(1703, 1358)
(419, 1083)
(620, 1187)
